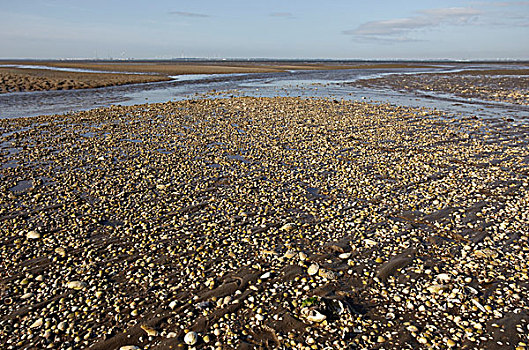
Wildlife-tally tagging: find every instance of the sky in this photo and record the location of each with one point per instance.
(311, 29)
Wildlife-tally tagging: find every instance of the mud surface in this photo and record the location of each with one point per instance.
(509, 86)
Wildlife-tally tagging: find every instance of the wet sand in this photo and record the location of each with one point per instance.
(509, 85)
(249, 223)
(18, 79)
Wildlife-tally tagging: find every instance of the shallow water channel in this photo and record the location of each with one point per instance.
(324, 84)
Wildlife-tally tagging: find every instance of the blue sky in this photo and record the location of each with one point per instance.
(340, 29)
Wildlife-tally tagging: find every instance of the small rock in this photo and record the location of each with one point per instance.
(130, 347)
(369, 242)
(344, 256)
(412, 328)
(478, 305)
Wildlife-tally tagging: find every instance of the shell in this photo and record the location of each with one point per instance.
(313, 269)
(78, 285)
(191, 338)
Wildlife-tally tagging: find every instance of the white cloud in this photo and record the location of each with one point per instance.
(188, 14)
(401, 27)
(281, 14)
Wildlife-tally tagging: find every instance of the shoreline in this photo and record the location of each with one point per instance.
(263, 222)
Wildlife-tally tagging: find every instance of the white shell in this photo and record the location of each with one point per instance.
(76, 285)
(313, 315)
(191, 338)
(33, 235)
(313, 269)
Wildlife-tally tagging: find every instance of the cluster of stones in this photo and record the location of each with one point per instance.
(501, 88)
(263, 223)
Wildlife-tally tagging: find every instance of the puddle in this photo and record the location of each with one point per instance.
(10, 164)
(10, 133)
(238, 157)
(131, 140)
(22, 186)
(313, 192)
(213, 144)
(164, 151)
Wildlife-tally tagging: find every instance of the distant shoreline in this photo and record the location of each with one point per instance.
(94, 73)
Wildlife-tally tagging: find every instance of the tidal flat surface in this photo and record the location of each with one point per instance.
(483, 90)
(255, 222)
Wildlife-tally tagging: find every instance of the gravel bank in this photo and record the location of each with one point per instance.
(263, 223)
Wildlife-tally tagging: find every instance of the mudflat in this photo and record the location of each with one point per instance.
(254, 223)
(508, 85)
(18, 79)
